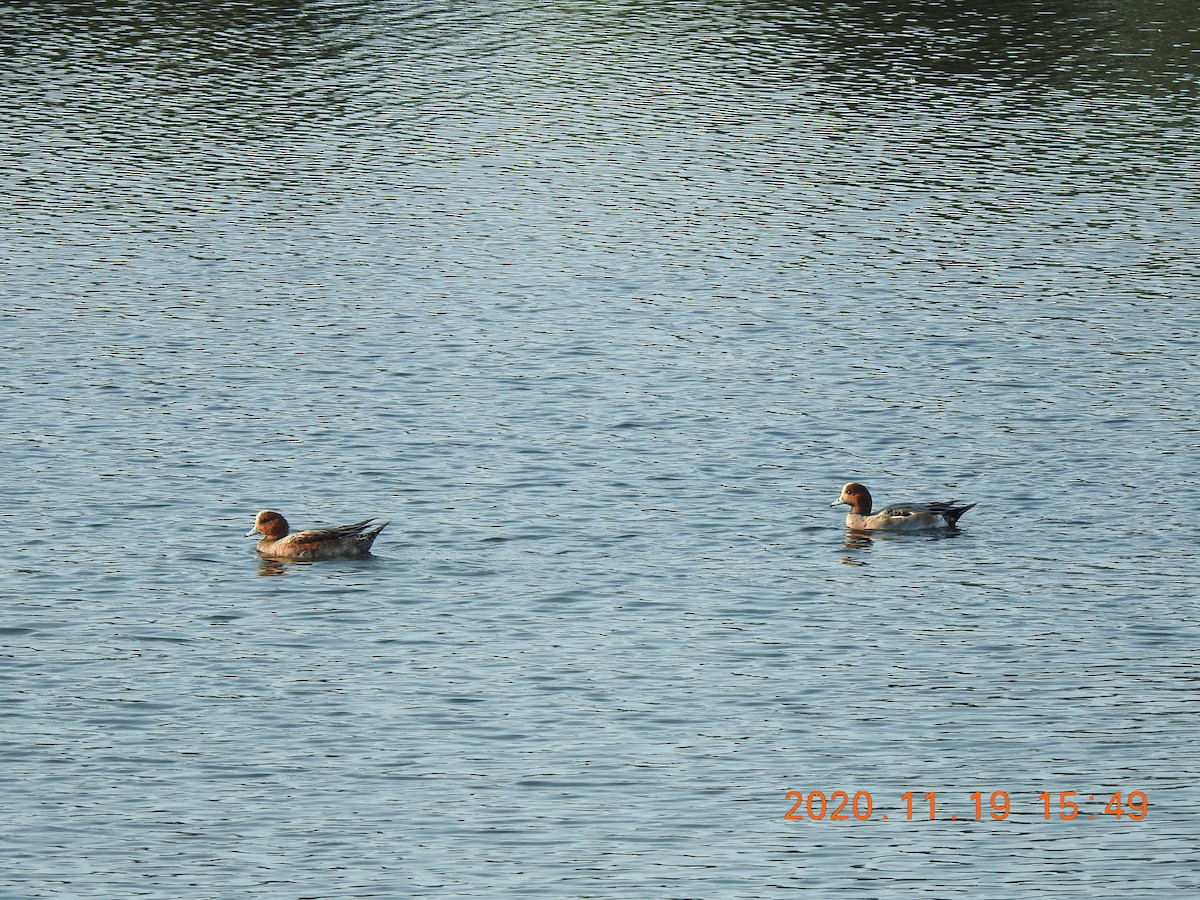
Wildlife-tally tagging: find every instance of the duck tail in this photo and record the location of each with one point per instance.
(367, 538)
(953, 515)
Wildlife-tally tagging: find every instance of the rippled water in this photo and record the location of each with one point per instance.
(600, 304)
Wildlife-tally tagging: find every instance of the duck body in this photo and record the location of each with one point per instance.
(315, 543)
(898, 516)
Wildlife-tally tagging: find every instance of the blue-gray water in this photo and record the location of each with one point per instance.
(600, 304)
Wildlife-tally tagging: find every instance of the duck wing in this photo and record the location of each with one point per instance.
(333, 533)
(937, 508)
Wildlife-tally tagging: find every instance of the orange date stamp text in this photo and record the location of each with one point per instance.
(842, 806)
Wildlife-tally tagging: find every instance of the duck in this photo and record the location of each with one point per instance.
(315, 543)
(899, 516)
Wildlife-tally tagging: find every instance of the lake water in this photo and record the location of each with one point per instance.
(599, 304)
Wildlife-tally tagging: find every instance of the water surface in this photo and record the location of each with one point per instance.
(600, 305)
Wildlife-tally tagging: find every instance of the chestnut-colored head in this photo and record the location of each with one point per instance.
(270, 524)
(857, 497)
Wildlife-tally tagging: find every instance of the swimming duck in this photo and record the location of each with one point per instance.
(899, 516)
(316, 543)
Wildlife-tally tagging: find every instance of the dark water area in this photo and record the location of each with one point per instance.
(600, 305)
